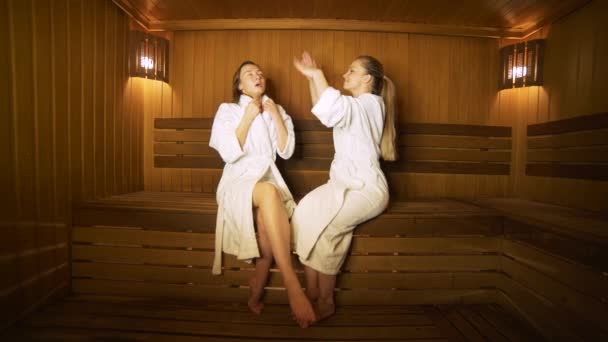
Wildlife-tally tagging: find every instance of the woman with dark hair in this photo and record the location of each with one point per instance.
(248, 134)
(363, 131)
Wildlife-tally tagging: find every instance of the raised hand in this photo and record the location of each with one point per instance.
(306, 65)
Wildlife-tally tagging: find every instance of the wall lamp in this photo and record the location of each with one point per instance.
(148, 56)
(521, 64)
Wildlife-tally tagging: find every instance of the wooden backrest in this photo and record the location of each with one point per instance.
(423, 148)
(569, 148)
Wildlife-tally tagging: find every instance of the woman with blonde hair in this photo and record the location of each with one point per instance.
(248, 134)
(363, 131)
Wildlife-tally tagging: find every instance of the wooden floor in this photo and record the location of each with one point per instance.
(104, 318)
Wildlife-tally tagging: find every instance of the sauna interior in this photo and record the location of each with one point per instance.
(497, 227)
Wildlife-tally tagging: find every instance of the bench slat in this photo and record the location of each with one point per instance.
(203, 276)
(415, 140)
(580, 171)
(121, 236)
(228, 294)
(572, 155)
(579, 123)
(199, 135)
(187, 149)
(573, 139)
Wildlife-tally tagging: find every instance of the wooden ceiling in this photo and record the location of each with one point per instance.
(488, 18)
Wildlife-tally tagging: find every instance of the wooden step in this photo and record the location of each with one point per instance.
(126, 318)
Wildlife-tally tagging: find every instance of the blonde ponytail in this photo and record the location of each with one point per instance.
(388, 150)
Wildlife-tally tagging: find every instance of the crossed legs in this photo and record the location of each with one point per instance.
(267, 200)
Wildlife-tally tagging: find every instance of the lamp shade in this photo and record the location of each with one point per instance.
(148, 56)
(521, 64)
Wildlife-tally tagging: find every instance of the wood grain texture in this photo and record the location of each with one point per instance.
(64, 96)
(572, 97)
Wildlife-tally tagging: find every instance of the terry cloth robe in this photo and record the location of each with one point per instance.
(255, 161)
(357, 189)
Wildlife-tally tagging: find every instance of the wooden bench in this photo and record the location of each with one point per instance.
(423, 148)
(557, 256)
(557, 260)
(161, 245)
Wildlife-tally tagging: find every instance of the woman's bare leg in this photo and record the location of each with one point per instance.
(268, 200)
(262, 268)
(312, 284)
(325, 304)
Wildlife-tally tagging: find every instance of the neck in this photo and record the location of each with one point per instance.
(254, 97)
(360, 91)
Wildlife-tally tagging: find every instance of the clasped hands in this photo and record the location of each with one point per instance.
(255, 107)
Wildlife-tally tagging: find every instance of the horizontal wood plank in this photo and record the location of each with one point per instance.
(580, 171)
(139, 237)
(134, 255)
(569, 299)
(588, 281)
(571, 139)
(191, 135)
(449, 167)
(453, 245)
(314, 125)
(579, 123)
(571, 155)
(184, 149)
(202, 276)
(175, 220)
(223, 314)
(183, 123)
(453, 141)
(455, 129)
(189, 162)
(228, 294)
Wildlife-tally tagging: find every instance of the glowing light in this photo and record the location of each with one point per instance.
(520, 71)
(147, 62)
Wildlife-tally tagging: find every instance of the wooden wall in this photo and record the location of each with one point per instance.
(576, 70)
(439, 80)
(70, 129)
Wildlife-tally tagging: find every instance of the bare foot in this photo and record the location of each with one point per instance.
(255, 297)
(301, 308)
(312, 294)
(324, 309)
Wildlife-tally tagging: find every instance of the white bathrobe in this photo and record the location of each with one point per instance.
(357, 191)
(235, 232)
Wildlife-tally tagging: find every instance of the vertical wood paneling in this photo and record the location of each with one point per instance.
(23, 109)
(7, 173)
(75, 91)
(99, 102)
(575, 73)
(64, 67)
(438, 79)
(110, 58)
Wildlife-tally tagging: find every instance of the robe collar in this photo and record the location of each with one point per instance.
(245, 99)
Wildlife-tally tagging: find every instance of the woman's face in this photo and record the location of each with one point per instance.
(356, 78)
(252, 81)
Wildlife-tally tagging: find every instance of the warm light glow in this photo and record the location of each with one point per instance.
(147, 63)
(520, 71)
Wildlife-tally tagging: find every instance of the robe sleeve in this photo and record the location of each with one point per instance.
(223, 135)
(287, 152)
(334, 109)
